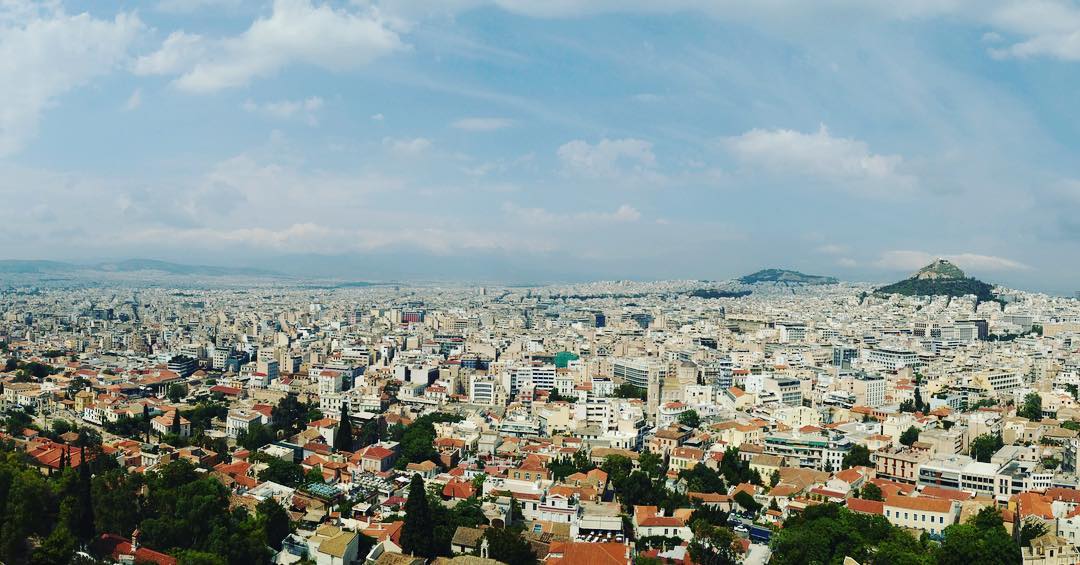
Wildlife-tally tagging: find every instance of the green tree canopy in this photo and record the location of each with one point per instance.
(910, 436)
(416, 536)
(859, 455)
(1031, 408)
(690, 419)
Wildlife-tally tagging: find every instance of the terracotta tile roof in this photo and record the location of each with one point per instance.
(115, 546)
(582, 553)
(921, 504)
(866, 506)
(1034, 504)
(946, 493)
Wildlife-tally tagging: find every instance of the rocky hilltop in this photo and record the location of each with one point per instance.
(940, 278)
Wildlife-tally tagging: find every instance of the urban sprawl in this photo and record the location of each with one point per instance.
(617, 422)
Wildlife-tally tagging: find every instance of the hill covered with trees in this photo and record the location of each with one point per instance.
(941, 278)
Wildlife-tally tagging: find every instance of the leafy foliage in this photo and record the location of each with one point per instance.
(690, 419)
(627, 390)
(1031, 408)
(827, 533)
(418, 440)
(507, 545)
(985, 446)
(858, 456)
(910, 436)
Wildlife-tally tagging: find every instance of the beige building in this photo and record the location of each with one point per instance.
(930, 515)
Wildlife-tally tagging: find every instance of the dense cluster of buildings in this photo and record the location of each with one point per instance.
(823, 390)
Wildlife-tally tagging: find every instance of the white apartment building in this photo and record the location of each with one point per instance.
(890, 359)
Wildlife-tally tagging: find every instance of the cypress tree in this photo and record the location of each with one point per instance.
(175, 427)
(416, 533)
(84, 525)
(343, 436)
(146, 420)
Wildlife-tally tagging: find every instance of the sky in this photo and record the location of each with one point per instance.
(547, 139)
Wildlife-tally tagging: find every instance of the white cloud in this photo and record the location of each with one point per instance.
(543, 217)
(412, 146)
(179, 51)
(908, 260)
(832, 249)
(377, 117)
(296, 32)
(607, 158)
(134, 101)
(307, 109)
(482, 124)
(45, 53)
(191, 6)
(820, 155)
(1048, 28)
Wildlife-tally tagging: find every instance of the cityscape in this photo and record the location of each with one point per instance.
(517, 282)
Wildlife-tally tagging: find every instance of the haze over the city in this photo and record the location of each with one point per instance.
(563, 140)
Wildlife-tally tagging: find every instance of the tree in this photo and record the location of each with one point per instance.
(652, 464)
(712, 545)
(701, 478)
(627, 390)
(177, 391)
(146, 421)
(275, 522)
(859, 455)
(116, 500)
(690, 419)
(734, 469)
(343, 437)
(255, 436)
(747, 502)
(617, 467)
(870, 491)
(910, 436)
(920, 406)
(418, 440)
(507, 545)
(774, 478)
(83, 520)
(1030, 530)
(175, 428)
(985, 446)
(827, 533)
(982, 539)
(291, 415)
(1031, 408)
(416, 532)
(281, 471)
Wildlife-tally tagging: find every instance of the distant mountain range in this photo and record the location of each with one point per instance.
(785, 276)
(15, 266)
(941, 278)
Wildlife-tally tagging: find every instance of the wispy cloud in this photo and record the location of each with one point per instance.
(838, 159)
(908, 260)
(482, 124)
(306, 109)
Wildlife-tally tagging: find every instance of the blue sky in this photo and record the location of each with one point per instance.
(564, 139)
